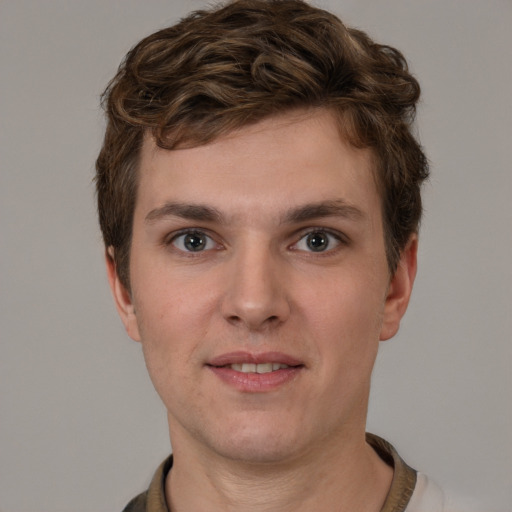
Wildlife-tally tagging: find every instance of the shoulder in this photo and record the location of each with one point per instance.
(429, 497)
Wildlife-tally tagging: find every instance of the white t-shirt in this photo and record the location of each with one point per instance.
(429, 497)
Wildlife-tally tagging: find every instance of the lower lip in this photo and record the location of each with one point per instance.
(256, 382)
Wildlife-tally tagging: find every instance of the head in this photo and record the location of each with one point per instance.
(259, 194)
(220, 70)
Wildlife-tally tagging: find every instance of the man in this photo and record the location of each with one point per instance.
(259, 198)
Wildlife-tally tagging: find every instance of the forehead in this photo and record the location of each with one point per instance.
(283, 161)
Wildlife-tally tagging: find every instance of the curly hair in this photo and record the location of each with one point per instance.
(221, 69)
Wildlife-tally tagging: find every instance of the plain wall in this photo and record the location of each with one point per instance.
(81, 428)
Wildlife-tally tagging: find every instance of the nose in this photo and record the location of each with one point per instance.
(255, 290)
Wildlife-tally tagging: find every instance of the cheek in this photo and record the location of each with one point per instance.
(172, 327)
(353, 307)
(173, 315)
(346, 323)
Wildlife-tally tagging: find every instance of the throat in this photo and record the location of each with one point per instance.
(232, 486)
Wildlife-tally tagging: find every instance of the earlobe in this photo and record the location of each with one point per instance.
(400, 289)
(122, 297)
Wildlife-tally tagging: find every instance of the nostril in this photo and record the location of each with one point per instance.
(252, 323)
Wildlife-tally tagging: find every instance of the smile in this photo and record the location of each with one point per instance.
(249, 372)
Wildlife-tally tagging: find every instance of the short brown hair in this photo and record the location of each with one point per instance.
(221, 69)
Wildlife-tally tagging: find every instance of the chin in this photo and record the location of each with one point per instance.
(259, 444)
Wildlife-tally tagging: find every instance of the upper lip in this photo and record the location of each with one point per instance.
(240, 357)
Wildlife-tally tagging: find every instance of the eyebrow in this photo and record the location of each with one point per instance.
(196, 212)
(333, 208)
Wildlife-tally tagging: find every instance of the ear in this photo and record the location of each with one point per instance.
(122, 297)
(399, 290)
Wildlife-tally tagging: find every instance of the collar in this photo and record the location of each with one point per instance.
(404, 477)
(400, 492)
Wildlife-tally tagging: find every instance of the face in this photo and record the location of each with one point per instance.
(260, 287)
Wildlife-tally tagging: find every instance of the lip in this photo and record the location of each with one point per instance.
(255, 382)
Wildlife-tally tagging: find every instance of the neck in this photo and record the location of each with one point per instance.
(349, 477)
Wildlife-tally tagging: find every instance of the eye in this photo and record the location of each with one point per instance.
(317, 241)
(193, 241)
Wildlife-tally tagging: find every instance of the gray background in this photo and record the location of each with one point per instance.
(81, 428)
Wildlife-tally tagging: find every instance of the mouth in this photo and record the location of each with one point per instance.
(247, 362)
(255, 372)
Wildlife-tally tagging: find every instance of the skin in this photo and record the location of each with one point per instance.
(258, 287)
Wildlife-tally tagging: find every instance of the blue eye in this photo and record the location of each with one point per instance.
(193, 241)
(317, 241)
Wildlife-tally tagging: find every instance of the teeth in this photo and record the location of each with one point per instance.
(257, 368)
(264, 368)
